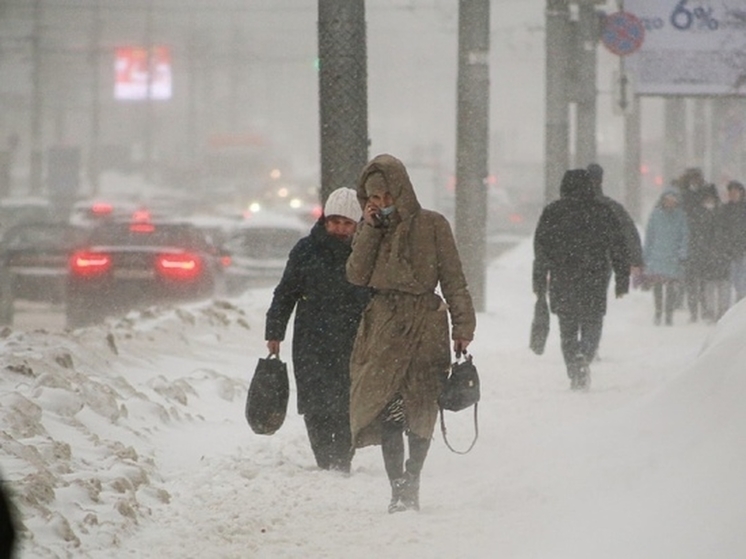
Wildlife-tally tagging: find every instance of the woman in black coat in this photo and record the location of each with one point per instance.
(575, 239)
(327, 313)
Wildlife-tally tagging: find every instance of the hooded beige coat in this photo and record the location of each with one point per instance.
(402, 345)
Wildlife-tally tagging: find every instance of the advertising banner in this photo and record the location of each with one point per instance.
(691, 47)
(132, 75)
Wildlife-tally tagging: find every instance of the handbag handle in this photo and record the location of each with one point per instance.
(445, 437)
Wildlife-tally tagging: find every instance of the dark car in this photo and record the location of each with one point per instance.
(128, 265)
(33, 264)
(259, 250)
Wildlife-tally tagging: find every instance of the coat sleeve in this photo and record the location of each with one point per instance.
(453, 283)
(286, 295)
(631, 236)
(362, 259)
(540, 271)
(649, 239)
(619, 252)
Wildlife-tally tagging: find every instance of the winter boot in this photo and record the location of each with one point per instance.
(405, 494)
(582, 377)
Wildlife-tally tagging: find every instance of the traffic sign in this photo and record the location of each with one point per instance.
(623, 33)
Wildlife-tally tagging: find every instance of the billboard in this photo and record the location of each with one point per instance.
(132, 76)
(691, 47)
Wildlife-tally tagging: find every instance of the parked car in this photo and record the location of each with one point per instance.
(33, 264)
(129, 264)
(259, 249)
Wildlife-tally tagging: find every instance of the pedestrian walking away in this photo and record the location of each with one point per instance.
(327, 313)
(665, 252)
(632, 239)
(734, 236)
(575, 239)
(401, 353)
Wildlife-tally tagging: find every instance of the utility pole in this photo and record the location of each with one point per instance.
(94, 166)
(472, 142)
(343, 93)
(674, 148)
(556, 152)
(148, 124)
(633, 159)
(37, 104)
(585, 90)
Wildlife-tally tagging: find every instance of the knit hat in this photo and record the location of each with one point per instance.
(343, 202)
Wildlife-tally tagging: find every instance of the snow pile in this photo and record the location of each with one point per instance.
(79, 410)
(129, 439)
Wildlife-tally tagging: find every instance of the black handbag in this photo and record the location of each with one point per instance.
(267, 400)
(539, 325)
(460, 390)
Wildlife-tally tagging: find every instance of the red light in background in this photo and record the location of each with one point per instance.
(644, 169)
(658, 180)
(102, 208)
(317, 211)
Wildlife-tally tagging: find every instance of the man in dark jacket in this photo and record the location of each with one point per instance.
(632, 239)
(575, 239)
(327, 313)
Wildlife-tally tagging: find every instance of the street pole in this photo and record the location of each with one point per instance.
(343, 93)
(37, 102)
(472, 142)
(633, 159)
(675, 137)
(556, 152)
(148, 124)
(94, 152)
(585, 149)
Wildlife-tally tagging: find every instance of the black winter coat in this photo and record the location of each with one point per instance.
(707, 252)
(733, 216)
(575, 239)
(327, 312)
(631, 234)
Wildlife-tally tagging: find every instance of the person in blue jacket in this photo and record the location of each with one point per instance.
(327, 311)
(665, 252)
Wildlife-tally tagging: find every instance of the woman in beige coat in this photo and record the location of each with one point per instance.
(401, 352)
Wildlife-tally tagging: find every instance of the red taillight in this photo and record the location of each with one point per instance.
(101, 208)
(226, 261)
(182, 266)
(86, 263)
(142, 227)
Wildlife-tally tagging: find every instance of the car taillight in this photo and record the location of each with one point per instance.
(86, 263)
(182, 266)
(226, 260)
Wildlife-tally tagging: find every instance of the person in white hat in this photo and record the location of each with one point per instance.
(327, 313)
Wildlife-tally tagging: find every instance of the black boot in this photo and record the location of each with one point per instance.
(405, 494)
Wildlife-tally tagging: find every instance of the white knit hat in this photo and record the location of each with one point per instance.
(344, 202)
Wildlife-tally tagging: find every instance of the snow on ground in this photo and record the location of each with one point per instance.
(129, 440)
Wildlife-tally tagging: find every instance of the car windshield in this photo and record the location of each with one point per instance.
(148, 234)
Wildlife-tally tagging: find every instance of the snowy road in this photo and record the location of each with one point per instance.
(555, 474)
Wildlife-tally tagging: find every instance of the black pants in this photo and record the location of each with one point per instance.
(392, 446)
(665, 296)
(331, 440)
(579, 335)
(7, 527)
(695, 297)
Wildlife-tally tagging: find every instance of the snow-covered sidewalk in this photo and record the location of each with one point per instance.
(129, 440)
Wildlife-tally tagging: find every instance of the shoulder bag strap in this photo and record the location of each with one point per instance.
(445, 438)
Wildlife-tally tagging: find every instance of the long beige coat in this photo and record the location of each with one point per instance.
(402, 345)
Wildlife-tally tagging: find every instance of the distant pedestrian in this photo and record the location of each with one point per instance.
(734, 236)
(404, 253)
(629, 229)
(327, 312)
(576, 238)
(665, 252)
(707, 261)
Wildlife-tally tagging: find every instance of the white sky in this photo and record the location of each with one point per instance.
(145, 452)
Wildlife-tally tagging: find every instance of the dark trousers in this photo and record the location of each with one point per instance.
(7, 527)
(695, 296)
(579, 335)
(665, 302)
(392, 446)
(331, 440)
